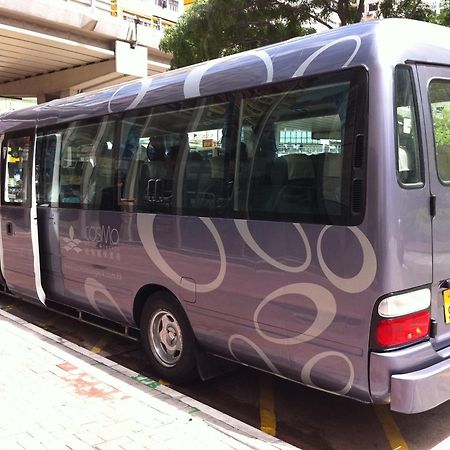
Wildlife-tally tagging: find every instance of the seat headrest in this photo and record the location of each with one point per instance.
(300, 166)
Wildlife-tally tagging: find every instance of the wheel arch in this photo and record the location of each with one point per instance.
(142, 296)
(207, 367)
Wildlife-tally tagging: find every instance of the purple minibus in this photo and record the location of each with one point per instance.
(286, 208)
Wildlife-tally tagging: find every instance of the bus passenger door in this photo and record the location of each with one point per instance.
(48, 153)
(435, 97)
(19, 226)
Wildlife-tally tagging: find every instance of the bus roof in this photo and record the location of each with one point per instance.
(381, 43)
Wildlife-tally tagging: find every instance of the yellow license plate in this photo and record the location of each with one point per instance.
(447, 305)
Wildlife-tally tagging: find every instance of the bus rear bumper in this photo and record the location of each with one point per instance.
(412, 379)
(421, 390)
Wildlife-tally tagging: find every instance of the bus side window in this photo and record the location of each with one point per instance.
(86, 177)
(409, 170)
(439, 93)
(177, 164)
(17, 169)
(48, 148)
(298, 158)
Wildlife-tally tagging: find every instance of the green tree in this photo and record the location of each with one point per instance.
(441, 123)
(324, 12)
(443, 18)
(407, 9)
(214, 28)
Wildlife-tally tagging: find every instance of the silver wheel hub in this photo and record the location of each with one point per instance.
(166, 338)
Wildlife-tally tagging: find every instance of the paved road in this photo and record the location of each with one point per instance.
(307, 418)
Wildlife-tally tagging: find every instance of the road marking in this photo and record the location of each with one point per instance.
(390, 428)
(100, 345)
(267, 406)
(147, 381)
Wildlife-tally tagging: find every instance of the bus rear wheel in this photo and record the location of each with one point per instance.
(168, 340)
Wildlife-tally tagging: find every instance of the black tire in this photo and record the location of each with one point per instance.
(168, 339)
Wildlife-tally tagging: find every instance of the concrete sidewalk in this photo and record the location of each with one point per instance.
(57, 395)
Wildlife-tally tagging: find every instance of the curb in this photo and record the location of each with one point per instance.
(148, 391)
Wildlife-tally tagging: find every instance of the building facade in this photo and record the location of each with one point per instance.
(56, 48)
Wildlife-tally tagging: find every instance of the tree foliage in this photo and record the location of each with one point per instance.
(214, 28)
(443, 17)
(441, 123)
(324, 12)
(407, 9)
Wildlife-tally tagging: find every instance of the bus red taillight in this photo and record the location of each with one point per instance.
(403, 330)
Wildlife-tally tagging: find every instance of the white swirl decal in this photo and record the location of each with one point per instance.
(265, 58)
(322, 299)
(301, 70)
(192, 82)
(194, 77)
(306, 371)
(361, 281)
(92, 287)
(145, 84)
(145, 229)
(242, 227)
(261, 354)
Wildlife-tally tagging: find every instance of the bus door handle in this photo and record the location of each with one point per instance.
(149, 186)
(158, 188)
(9, 228)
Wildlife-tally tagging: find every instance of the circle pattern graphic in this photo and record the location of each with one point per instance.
(145, 224)
(261, 354)
(92, 287)
(195, 76)
(364, 278)
(242, 227)
(301, 70)
(322, 299)
(307, 368)
(144, 87)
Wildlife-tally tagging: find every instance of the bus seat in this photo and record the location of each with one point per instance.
(296, 192)
(197, 175)
(329, 183)
(86, 180)
(278, 181)
(300, 168)
(279, 172)
(331, 180)
(217, 167)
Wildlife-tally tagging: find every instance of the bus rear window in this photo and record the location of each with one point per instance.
(409, 171)
(440, 109)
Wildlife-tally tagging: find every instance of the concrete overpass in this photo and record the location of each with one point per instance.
(54, 48)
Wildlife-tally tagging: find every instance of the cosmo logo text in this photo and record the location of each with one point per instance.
(102, 234)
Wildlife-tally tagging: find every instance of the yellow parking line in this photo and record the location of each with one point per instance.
(390, 428)
(97, 348)
(267, 406)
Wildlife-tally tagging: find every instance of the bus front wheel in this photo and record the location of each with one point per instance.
(168, 340)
